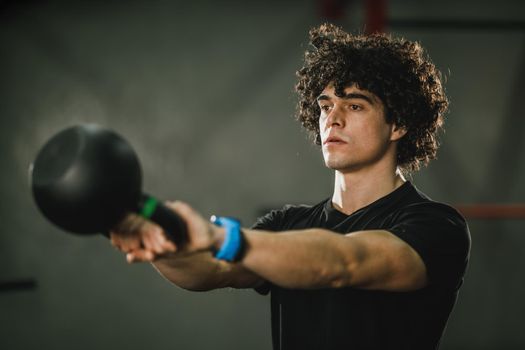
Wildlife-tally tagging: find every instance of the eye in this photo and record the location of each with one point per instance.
(355, 107)
(325, 108)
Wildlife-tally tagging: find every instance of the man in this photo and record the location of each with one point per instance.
(377, 265)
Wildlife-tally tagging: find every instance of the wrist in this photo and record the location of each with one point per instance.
(218, 235)
(229, 242)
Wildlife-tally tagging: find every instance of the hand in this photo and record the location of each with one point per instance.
(143, 240)
(140, 240)
(202, 234)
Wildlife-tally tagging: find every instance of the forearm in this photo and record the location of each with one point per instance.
(201, 272)
(313, 258)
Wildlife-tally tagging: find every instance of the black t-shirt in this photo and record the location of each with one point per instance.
(351, 318)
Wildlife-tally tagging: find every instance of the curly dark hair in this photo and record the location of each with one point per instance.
(396, 70)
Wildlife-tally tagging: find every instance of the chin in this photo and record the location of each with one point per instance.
(338, 164)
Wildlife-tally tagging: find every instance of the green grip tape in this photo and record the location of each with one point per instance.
(149, 207)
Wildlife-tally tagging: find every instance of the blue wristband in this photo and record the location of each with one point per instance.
(232, 240)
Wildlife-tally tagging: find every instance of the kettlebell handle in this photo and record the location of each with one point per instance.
(152, 209)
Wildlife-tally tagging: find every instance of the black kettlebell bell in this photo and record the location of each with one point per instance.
(86, 178)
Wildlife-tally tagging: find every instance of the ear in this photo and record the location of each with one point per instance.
(397, 132)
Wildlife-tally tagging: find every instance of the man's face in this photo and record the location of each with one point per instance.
(354, 133)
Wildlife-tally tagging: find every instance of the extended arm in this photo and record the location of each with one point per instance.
(318, 258)
(313, 258)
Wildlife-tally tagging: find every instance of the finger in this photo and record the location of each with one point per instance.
(164, 243)
(140, 255)
(130, 224)
(153, 239)
(136, 224)
(124, 224)
(114, 239)
(169, 246)
(121, 243)
(130, 243)
(148, 242)
(161, 241)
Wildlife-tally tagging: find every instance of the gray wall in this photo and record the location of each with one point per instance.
(203, 90)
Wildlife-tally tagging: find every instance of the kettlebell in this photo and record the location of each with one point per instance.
(86, 178)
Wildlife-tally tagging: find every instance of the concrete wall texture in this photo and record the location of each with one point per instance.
(204, 92)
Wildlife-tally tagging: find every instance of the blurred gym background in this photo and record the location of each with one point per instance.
(204, 92)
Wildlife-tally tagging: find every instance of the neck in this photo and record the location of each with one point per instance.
(355, 190)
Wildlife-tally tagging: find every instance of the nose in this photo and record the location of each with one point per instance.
(334, 118)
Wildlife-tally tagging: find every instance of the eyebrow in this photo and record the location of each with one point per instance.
(348, 96)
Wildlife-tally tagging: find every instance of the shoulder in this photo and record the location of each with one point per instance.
(430, 210)
(285, 217)
(439, 234)
(418, 207)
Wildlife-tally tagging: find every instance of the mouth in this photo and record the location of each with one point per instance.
(333, 140)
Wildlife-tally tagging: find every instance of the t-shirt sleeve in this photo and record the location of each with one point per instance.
(440, 235)
(271, 221)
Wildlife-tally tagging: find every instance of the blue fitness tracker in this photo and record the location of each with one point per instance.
(233, 240)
